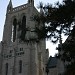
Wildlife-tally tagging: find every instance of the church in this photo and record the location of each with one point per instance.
(21, 53)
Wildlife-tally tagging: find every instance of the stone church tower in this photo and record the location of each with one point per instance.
(21, 53)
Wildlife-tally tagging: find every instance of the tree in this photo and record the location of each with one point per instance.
(56, 20)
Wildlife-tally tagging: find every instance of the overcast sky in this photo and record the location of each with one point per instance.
(3, 6)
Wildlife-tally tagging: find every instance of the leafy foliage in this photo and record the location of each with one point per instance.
(56, 20)
(70, 69)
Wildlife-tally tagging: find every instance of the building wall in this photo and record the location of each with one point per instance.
(32, 54)
(53, 71)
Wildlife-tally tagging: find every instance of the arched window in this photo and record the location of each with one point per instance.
(6, 69)
(20, 66)
(24, 21)
(23, 28)
(14, 29)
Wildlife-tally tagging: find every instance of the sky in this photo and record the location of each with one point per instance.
(3, 7)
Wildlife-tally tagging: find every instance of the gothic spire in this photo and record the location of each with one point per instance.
(31, 2)
(9, 7)
(41, 11)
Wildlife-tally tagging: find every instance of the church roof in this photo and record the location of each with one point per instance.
(52, 63)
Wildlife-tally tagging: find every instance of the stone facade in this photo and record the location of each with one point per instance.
(18, 57)
(55, 66)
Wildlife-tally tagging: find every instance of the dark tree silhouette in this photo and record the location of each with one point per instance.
(56, 20)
